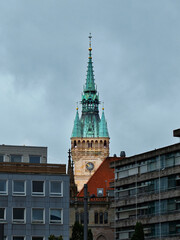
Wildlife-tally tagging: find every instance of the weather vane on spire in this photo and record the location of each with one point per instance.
(90, 41)
(102, 105)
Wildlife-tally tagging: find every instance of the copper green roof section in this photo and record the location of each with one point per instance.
(77, 126)
(89, 124)
(90, 84)
(103, 130)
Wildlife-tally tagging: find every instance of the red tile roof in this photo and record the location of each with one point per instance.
(101, 178)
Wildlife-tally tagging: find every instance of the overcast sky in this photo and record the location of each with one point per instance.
(43, 63)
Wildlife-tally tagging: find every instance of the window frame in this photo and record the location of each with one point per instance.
(38, 237)
(19, 221)
(2, 155)
(100, 189)
(38, 221)
(6, 184)
(54, 221)
(38, 194)
(53, 194)
(16, 155)
(96, 217)
(18, 193)
(19, 236)
(3, 219)
(40, 160)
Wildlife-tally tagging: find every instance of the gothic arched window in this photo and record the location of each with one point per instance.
(101, 218)
(106, 217)
(82, 217)
(96, 217)
(77, 217)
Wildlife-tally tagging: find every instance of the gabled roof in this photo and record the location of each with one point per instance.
(101, 178)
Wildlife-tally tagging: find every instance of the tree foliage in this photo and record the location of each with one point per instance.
(52, 237)
(78, 232)
(139, 232)
(90, 235)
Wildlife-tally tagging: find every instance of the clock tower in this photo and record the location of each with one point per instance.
(90, 137)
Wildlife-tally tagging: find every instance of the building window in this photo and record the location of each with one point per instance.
(55, 215)
(2, 214)
(18, 215)
(34, 159)
(37, 215)
(82, 217)
(19, 187)
(77, 217)
(105, 217)
(56, 188)
(16, 158)
(100, 192)
(101, 218)
(38, 188)
(1, 158)
(3, 187)
(96, 217)
(37, 238)
(18, 238)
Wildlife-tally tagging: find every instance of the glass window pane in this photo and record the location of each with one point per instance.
(16, 158)
(100, 192)
(2, 186)
(1, 158)
(37, 215)
(18, 238)
(37, 238)
(106, 217)
(77, 217)
(18, 214)
(38, 187)
(19, 186)
(34, 159)
(96, 217)
(101, 218)
(82, 217)
(55, 187)
(2, 213)
(55, 215)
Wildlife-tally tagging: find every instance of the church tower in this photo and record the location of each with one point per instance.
(90, 137)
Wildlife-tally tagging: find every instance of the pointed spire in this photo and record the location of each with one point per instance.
(69, 163)
(103, 130)
(77, 126)
(73, 187)
(90, 84)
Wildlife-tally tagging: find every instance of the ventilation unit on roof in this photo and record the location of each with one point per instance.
(122, 154)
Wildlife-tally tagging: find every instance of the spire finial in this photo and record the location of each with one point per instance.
(102, 105)
(90, 42)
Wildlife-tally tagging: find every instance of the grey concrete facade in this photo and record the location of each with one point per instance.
(147, 189)
(7, 151)
(34, 198)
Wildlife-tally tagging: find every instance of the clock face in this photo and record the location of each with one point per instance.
(90, 166)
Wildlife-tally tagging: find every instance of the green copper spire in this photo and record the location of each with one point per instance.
(77, 126)
(90, 125)
(103, 130)
(90, 85)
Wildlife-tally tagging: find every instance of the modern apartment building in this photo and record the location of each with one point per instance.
(147, 189)
(34, 195)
